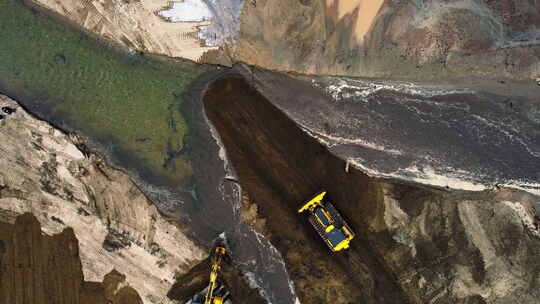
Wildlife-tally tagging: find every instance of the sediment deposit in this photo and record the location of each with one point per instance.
(431, 39)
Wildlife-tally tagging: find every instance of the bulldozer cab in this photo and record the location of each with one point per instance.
(323, 216)
(339, 239)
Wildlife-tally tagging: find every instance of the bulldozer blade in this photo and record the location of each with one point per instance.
(314, 201)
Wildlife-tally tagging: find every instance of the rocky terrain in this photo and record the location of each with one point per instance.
(416, 39)
(40, 268)
(430, 39)
(51, 175)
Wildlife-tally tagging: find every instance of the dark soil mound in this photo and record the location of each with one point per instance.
(280, 167)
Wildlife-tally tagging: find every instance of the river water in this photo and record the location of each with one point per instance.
(445, 136)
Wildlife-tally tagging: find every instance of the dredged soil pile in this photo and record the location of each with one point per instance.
(37, 268)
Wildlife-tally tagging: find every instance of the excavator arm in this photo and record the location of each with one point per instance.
(215, 268)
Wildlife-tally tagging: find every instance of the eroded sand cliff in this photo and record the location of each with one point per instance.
(38, 268)
(45, 173)
(429, 39)
(423, 40)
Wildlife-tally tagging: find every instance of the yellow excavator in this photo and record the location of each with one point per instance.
(328, 222)
(215, 293)
(210, 297)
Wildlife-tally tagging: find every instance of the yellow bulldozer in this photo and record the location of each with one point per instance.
(328, 222)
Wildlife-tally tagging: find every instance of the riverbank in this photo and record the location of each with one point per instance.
(65, 185)
(414, 243)
(194, 138)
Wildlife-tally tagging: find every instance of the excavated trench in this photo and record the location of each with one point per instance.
(280, 167)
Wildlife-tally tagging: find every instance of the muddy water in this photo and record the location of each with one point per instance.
(252, 252)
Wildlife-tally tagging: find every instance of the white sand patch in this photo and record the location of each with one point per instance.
(187, 11)
(137, 24)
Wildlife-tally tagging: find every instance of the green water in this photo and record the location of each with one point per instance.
(129, 102)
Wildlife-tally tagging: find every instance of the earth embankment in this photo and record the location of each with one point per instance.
(280, 167)
(414, 244)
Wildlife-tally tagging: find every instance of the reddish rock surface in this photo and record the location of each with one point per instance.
(418, 40)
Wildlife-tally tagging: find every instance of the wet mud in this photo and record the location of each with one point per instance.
(280, 167)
